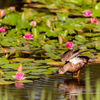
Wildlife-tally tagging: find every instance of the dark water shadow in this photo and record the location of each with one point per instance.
(71, 87)
(7, 3)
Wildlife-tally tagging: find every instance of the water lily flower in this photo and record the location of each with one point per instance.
(11, 8)
(87, 13)
(2, 13)
(56, 18)
(26, 43)
(69, 44)
(93, 20)
(19, 76)
(19, 85)
(28, 36)
(33, 23)
(2, 29)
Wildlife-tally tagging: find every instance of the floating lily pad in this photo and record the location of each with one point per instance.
(24, 81)
(33, 77)
(36, 73)
(11, 19)
(98, 47)
(3, 82)
(3, 61)
(80, 38)
(10, 65)
(32, 67)
(47, 72)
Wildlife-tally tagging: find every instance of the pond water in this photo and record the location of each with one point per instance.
(56, 86)
(7, 3)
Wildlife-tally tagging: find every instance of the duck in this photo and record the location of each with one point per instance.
(73, 62)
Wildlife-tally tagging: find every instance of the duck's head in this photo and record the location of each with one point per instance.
(60, 71)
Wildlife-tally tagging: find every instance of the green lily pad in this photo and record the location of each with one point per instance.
(47, 72)
(98, 47)
(22, 24)
(24, 81)
(3, 82)
(35, 73)
(33, 77)
(80, 38)
(10, 65)
(11, 19)
(3, 61)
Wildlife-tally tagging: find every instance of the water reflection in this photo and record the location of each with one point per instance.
(71, 88)
(19, 85)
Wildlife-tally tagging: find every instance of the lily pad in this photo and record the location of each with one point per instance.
(33, 77)
(80, 38)
(10, 65)
(47, 72)
(24, 81)
(3, 61)
(98, 47)
(3, 82)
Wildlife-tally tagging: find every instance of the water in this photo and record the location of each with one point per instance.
(7, 3)
(60, 86)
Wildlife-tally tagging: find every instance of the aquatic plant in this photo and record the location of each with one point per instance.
(2, 13)
(2, 29)
(69, 44)
(33, 23)
(93, 20)
(12, 8)
(28, 36)
(19, 76)
(87, 13)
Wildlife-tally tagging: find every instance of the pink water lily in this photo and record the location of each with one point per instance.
(28, 36)
(33, 23)
(19, 76)
(93, 20)
(26, 43)
(11, 8)
(2, 13)
(2, 29)
(87, 13)
(19, 85)
(69, 44)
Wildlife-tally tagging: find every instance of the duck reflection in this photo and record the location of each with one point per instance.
(71, 88)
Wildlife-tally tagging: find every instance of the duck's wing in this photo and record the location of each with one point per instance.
(70, 54)
(66, 55)
(75, 53)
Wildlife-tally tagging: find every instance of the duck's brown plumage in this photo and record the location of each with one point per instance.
(72, 68)
(73, 63)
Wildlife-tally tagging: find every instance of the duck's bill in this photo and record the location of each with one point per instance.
(55, 72)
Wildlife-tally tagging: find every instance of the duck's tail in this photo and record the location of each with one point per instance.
(92, 59)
